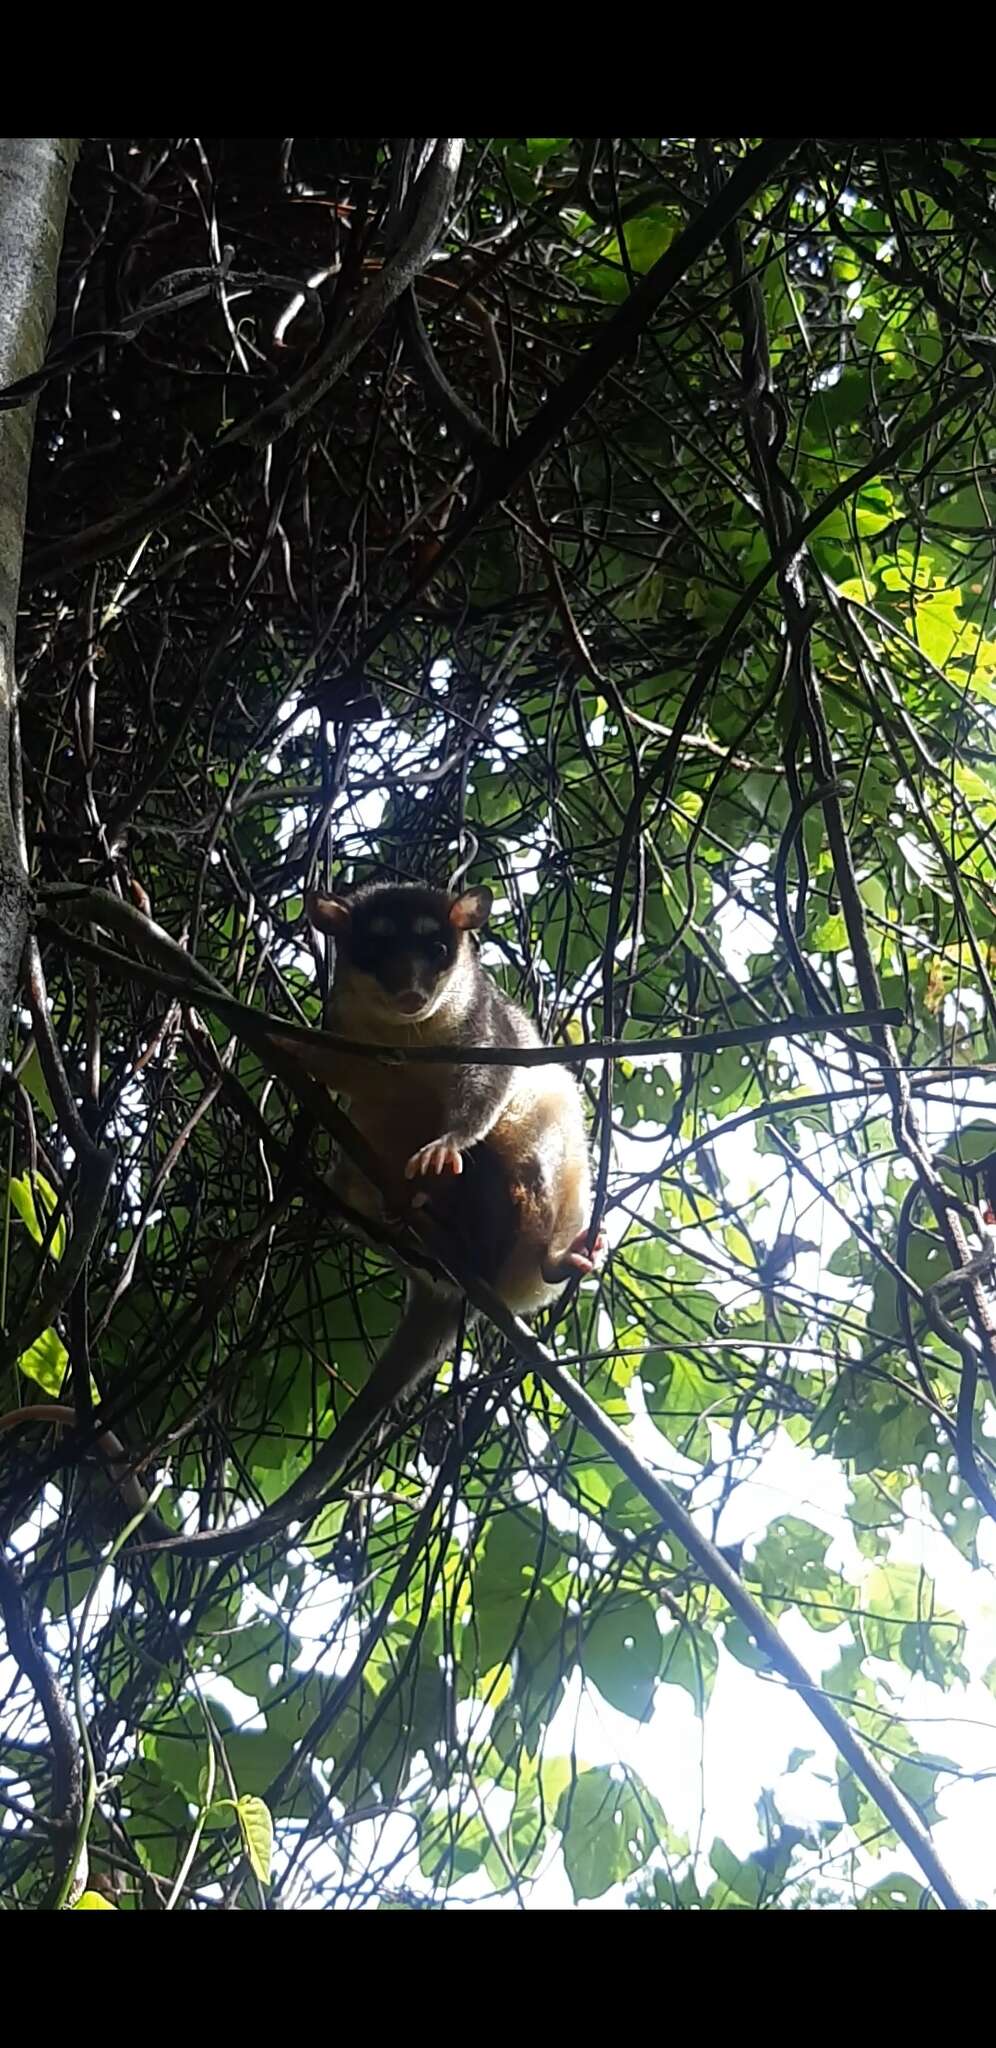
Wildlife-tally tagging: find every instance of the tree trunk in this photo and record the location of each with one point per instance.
(34, 188)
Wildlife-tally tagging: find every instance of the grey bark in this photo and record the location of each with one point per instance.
(35, 171)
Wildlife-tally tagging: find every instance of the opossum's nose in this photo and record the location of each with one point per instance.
(410, 1000)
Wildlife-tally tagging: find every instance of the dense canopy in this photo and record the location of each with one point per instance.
(610, 521)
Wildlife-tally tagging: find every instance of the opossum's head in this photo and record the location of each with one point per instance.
(405, 948)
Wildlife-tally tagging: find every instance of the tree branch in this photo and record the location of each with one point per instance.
(34, 189)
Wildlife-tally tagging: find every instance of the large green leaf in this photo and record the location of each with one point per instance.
(609, 1828)
(621, 1654)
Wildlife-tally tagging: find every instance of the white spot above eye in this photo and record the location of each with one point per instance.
(382, 928)
(426, 927)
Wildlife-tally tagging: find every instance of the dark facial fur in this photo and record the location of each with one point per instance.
(407, 940)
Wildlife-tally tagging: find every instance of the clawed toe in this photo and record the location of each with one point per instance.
(580, 1252)
(577, 1258)
(442, 1156)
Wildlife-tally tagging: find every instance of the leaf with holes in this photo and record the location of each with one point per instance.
(621, 1654)
(609, 1829)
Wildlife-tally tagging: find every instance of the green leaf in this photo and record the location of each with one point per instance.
(846, 1261)
(646, 239)
(680, 1394)
(27, 1193)
(609, 1829)
(744, 1646)
(50, 1202)
(746, 1880)
(32, 1078)
(47, 1362)
(523, 1842)
(904, 1621)
(897, 1893)
(690, 1659)
(866, 514)
(789, 1565)
(539, 148)
(505, 1592)
(621, 1654)
(66, 1588)
(839, 405)
(975, 1142)
(441, 1859)
(256, 1829)
(868, 1423)
(23, 1201)
(916, 1777)
(831, 936)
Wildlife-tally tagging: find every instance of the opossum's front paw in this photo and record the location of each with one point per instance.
(576, 1259)
(442, 1156)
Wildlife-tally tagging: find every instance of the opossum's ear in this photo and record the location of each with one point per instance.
(328, 914)
(471, 911)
